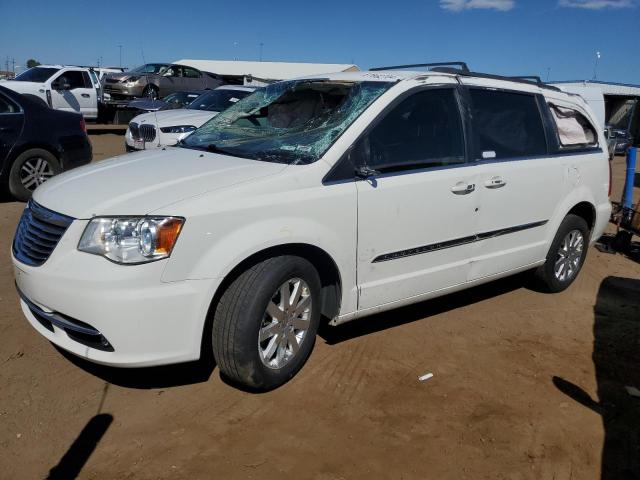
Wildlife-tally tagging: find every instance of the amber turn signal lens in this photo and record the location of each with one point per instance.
(167, 235)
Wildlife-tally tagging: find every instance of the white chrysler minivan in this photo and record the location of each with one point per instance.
(330, 197)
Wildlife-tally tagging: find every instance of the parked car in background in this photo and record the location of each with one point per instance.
(165, 128)
(319, 198)
(67, 88)
(157, 80)
(620, 140)
(36, 143)
(172, 101)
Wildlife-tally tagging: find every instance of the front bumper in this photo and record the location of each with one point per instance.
(120, 90)
(144, 321)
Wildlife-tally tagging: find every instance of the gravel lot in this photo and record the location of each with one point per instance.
(526, 386)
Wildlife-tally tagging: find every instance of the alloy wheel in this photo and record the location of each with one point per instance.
(569, 256)
(34, 172)
(285, 323)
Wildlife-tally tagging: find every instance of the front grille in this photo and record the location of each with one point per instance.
(38, 233)
(142, 132)
(148, 132)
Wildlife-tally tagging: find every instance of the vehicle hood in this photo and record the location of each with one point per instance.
(141, 183)
(22, 87)
(172, 118)
(148, 105)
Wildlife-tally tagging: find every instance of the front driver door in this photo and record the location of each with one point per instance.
(417, 211)
(79, 97)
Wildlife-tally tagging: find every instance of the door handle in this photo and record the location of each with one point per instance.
(84, 95)
(495, 182)
(463, 188)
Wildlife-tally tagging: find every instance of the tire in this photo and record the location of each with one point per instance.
(29, 170)
(151, 92)
(566, 255)
(245, 309)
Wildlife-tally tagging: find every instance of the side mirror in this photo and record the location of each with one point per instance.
(61, 84)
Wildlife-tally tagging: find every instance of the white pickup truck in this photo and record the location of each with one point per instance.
(74, 89)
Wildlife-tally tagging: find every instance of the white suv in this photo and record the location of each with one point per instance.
(72, 89)
(333, 197)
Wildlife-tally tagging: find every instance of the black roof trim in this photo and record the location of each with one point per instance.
(462, 69)
(461, 66)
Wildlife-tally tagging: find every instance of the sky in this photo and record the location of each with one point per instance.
(555, 39)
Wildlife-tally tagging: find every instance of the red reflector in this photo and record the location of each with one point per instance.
(83, 125)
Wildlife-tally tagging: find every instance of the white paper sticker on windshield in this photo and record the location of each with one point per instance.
(234, 99)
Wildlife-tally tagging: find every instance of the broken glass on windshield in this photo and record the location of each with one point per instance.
(288, 122)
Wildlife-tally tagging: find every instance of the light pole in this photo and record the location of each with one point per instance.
(548, 73)
(595, 68)
(261, 45)
(120, 47)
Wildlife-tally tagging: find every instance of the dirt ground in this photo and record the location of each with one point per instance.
(526, 386)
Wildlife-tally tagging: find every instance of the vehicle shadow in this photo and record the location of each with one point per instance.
(419, 311)
(616, 356)
(149, 377)
(154, 377)
(5, 196)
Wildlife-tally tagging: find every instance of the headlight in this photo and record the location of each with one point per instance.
(131, 240)
(130, 79)
(178, 129)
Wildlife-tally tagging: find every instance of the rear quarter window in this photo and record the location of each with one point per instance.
(573, 128)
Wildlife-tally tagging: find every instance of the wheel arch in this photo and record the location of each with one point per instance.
(586, 211)
(325, 265)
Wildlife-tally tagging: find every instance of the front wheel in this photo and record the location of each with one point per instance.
(151, 92)
(30, 170)
(566, 255)
(266, 321)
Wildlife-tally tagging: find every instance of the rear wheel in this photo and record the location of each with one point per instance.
(266, 321)
(566, 255)
(30, 170)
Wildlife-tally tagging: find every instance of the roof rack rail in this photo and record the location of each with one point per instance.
(531, 78)
(462, 67)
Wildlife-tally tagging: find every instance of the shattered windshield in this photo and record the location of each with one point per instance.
(291, 122)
